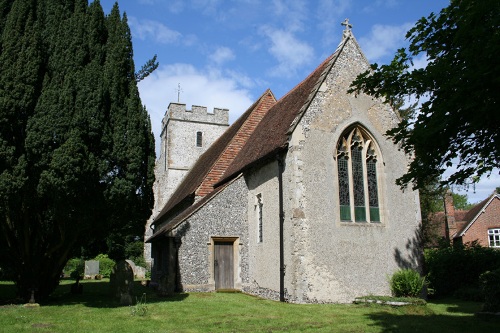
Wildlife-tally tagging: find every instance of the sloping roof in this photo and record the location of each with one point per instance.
(188, 212)
(474, 213)
(268, 137)
(437, 221)
(210, 166)
(272, 133)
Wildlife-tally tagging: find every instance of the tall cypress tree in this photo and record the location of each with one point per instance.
(75, 144)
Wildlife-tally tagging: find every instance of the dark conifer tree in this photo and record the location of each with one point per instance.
(75, 144)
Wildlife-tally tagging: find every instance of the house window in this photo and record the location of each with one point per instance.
(494, 237)
(258, 207)
(357, 177)
(199, 139)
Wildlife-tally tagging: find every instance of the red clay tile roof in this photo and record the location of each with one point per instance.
(472, 213)
(271, 135)
(463, 218)
(210, 166)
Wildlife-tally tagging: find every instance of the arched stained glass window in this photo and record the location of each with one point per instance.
(357, 177)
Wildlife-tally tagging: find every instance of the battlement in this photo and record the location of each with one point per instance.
(197, 113)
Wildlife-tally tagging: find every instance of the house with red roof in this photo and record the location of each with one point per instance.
(480, 224)
(297, 200)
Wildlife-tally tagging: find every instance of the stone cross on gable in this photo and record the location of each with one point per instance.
(347, 25)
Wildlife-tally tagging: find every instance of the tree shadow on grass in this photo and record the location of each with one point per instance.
(458, 318)
(95, 294)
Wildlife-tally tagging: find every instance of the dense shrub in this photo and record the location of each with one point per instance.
(490, 283)
(407, 283)
(135, 252)
(451, 269)
(74, 268)
(105, 264)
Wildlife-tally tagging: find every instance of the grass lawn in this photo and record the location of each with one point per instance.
(94, 311)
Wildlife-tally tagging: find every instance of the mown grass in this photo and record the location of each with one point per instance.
(94, 311)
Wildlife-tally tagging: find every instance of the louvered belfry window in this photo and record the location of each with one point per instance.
(357, 177)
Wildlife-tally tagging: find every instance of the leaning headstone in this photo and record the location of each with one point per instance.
(121, 282)
(132, 264)
(140, 272)
(91, 269)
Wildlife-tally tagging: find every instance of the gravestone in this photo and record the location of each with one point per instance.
(121, 282)
(132, 264)
(91, 269)
(140, 272)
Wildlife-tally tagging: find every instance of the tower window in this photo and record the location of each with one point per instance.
(199, 139)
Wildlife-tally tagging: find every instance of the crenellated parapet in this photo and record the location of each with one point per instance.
(196, 114)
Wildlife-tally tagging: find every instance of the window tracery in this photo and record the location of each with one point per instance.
(357, 177)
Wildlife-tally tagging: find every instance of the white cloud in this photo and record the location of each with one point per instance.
(380, 3)
(176, 6)
(383, 40)
(294, 11)
(420, 62)
(209, 7)
(482, 189)
(290, 52)
(157, 31)
(329, 12)
(221, 55)
(207, 87)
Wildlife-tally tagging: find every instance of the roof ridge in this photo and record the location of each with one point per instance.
(474, 212)
(255, 107)
(189, 185)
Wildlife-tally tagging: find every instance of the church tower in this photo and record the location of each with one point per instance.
(185, 135)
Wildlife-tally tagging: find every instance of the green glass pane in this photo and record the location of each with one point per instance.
(374, 214)
(345, 213)
(360, 213)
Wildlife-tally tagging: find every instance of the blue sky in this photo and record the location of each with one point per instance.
(227, 53)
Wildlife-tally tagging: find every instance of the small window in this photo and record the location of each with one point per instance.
(258, 207)
(199, 139)
(494, 237)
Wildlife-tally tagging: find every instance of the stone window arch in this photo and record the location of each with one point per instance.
(358, 169)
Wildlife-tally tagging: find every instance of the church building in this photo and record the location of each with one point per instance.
(296, 201)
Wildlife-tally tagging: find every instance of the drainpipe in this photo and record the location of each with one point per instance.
(282, 222)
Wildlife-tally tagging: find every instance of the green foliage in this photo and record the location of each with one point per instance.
(458, 120)
(490, 283)
(74, 268)
(460, 201)
(76, 147)
(451, 269)
(134, 251)
(431, 201)
(149, 67)
(407, 283)
(105, 265)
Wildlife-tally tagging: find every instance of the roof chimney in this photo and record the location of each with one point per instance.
(449, 212)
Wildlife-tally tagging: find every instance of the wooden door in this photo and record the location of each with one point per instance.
(223, 265)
